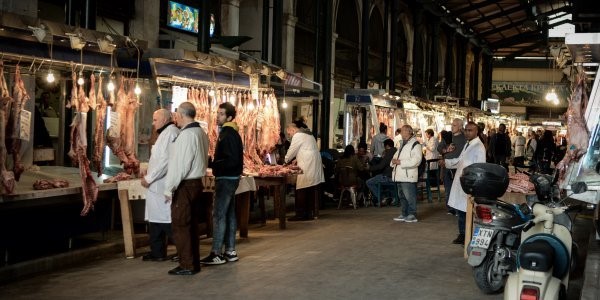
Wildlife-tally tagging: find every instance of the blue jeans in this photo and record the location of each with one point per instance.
(448, 178)
(373, 185)
(224, 222)
(407, 195)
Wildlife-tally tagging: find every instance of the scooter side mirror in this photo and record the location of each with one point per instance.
(579, 187)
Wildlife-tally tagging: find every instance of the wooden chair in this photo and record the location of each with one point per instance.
(432, 180)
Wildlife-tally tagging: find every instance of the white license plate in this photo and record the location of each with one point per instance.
(482, 237)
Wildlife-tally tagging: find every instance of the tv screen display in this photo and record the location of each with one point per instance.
(183, 17)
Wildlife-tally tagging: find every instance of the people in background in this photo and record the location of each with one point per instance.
(531, 145)
(158, 209)
(183, 186)
(363, 154)
(518, 144)
(377, 143)
(473, 152)
(398, 138)
(382, 171)
(405, 164)
(544, 152)
(46, 109)
(350, 163)
(227, 166)
(304, 149)
(458, 142)
(431, 144)
(281, 148)
(561, 148)
(500, 147)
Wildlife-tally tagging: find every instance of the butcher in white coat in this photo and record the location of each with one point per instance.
(473, 152)
(304, 148)
(158, 209)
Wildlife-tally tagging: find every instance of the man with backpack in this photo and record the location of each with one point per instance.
(405, 171)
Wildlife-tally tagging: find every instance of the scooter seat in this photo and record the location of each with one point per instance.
(536, 256)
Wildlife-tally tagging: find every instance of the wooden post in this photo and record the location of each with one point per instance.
(127, 220)
(468, 224)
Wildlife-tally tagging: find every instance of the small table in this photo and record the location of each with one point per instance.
(279, 194)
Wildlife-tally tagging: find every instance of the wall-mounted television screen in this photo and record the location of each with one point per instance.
(183, 17)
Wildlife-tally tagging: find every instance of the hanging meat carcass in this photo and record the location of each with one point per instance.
(577, 134)
(99, 128)
(8, 177)
(20, 98)
(114, 137)
(79, 149)
(133, 166)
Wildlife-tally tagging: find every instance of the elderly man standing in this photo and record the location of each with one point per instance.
(183, 185)
(472, 152)
(304, 148)
(405, 164)
(227, 167)
(458, 143)
(158, 209)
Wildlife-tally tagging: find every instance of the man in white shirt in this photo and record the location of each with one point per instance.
(518, 145)
(472, 152)
(183, 186)
(158, 209)
(398, 139)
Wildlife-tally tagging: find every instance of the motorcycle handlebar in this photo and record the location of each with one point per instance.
(528, 226)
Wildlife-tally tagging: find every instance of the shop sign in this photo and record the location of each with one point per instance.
(359, 99)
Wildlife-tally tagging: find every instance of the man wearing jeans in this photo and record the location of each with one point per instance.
(227, 167)
(405, 164)
(382, 171)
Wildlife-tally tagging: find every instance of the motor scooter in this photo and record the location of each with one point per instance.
(496, 235)
(546, 251)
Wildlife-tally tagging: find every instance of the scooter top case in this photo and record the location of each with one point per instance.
(484, 180)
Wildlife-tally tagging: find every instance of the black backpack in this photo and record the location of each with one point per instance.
(423, 164)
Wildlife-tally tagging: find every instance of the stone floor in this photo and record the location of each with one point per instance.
(345, 254)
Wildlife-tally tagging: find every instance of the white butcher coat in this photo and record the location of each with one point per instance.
(474, 153)
(304, 148)
(157, 210)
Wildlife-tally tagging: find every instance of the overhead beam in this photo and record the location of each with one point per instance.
(502, 28)
(472, 7)
(524, 50)
(517, 39)
(497, 15)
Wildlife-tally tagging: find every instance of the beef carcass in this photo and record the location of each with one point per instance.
(577, 134)
(99, 128)
(88, 185)
(133, 165)
(114, 135)
(20, 98)
(92, 94)
(8, 177)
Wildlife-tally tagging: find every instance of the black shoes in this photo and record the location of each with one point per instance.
(149, 257)
(182, 271)
(459, 240)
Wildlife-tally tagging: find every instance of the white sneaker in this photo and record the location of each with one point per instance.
(400, 218)
(231, 256)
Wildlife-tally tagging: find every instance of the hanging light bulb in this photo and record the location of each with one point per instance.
(50, 78)
(232, 99)
(110, 86)
(211, 93)
(284, 104)
(251, 105)
(80, 80)
(137, 89)
(551, 96)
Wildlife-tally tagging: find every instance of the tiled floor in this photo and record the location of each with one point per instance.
(346, 254)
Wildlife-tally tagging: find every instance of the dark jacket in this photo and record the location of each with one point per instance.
(229, 152)
(383, 166)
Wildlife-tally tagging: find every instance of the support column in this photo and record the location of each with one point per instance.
(393, 44)
(486, 76)
(328, 44)
(434, 57)
(264, 54)
(449, 68)
(364, 45)
(475, 99)
(289, 38)
(461, 67)
(277, 44)
(230, 24)
(203, 31)
(384, 49)
(418, 78)
(317, 69)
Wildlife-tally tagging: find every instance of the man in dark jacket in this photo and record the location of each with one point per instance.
(227, 167)
(500, 147)
(382, 169)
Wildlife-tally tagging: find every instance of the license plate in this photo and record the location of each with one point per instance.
(482, 237)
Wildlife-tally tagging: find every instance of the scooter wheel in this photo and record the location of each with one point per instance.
(486, 278)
